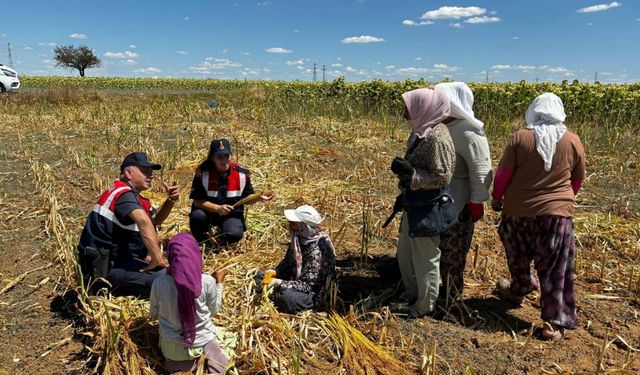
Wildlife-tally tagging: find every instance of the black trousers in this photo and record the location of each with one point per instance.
(292, 301)
(127, 280)
(201, 221)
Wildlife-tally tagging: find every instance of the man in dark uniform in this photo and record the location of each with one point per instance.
(119, 240)
(217, 186)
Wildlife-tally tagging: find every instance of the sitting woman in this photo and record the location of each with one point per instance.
(301, 278)
(183, 301)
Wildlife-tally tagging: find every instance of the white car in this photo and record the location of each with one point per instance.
(9, 80)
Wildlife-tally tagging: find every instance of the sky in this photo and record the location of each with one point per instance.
(498, 40)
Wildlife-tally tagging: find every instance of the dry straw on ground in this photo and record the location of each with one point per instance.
(71, 144)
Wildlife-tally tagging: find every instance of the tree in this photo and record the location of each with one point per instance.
(79, 58)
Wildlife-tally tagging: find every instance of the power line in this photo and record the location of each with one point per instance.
(486, 79)
(323, 76)
(314, 72)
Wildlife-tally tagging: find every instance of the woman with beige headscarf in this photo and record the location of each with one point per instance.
(423, 174)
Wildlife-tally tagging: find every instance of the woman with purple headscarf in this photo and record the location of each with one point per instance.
(425, 171)
(183, 301)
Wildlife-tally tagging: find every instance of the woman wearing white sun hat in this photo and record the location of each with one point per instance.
(301, 278)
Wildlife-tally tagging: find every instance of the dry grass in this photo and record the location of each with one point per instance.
(73, 142)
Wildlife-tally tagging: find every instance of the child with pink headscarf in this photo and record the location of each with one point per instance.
(183, 301)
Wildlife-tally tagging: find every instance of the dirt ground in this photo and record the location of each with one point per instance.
(33, 338)
(39, 336)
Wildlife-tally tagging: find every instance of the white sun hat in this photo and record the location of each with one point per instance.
(304, 214)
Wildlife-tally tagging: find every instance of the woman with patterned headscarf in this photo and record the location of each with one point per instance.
(539, 175)
(301, 278)
(423, 173)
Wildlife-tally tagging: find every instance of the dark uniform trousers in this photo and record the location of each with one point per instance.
(232, 226)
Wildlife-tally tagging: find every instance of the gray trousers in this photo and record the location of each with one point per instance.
(419, 261)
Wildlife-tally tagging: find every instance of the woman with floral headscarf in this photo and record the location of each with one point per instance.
(469, 186)
(302, 277)
(539, 175)
(426, 169)
(183, 301)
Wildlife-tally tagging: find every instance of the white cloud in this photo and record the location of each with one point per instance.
(78, 36)
(132, 46)
(121, 55)
(411, 71)
(445, 68)
(515, 37)
(449, 12)
(184, 53)
(211, 63)
(599, 7)
(3, 35)
(278, 50)
(589, 24)
(50, 44)
(483, 19)
(418, 58)
(336, 65)
(130, 62)
(150, 70)
(349, 69)
(265, 3)
(245, 53)
(187, 18)
(28, 48)
(414, 23)
(524, 68)
(558, 70)
(456, 25)
(295, 62)
(362, 39)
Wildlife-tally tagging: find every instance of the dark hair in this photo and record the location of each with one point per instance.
(208, 162)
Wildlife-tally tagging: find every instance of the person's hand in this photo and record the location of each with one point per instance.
(224, 209)
(153, 264)
(219, 275)
(400, 166)
(496, 204)
(274, 283)
(476, 210)
(269, 195)
(172, 191)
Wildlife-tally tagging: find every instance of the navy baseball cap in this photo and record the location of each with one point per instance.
(139, 159)
(220, 147)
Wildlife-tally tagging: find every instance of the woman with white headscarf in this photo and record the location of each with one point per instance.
(540, 172)
(423, 174)
(470, 184)
(300, 280)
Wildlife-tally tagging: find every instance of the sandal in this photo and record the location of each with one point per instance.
(503, 288)
(552, 332)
